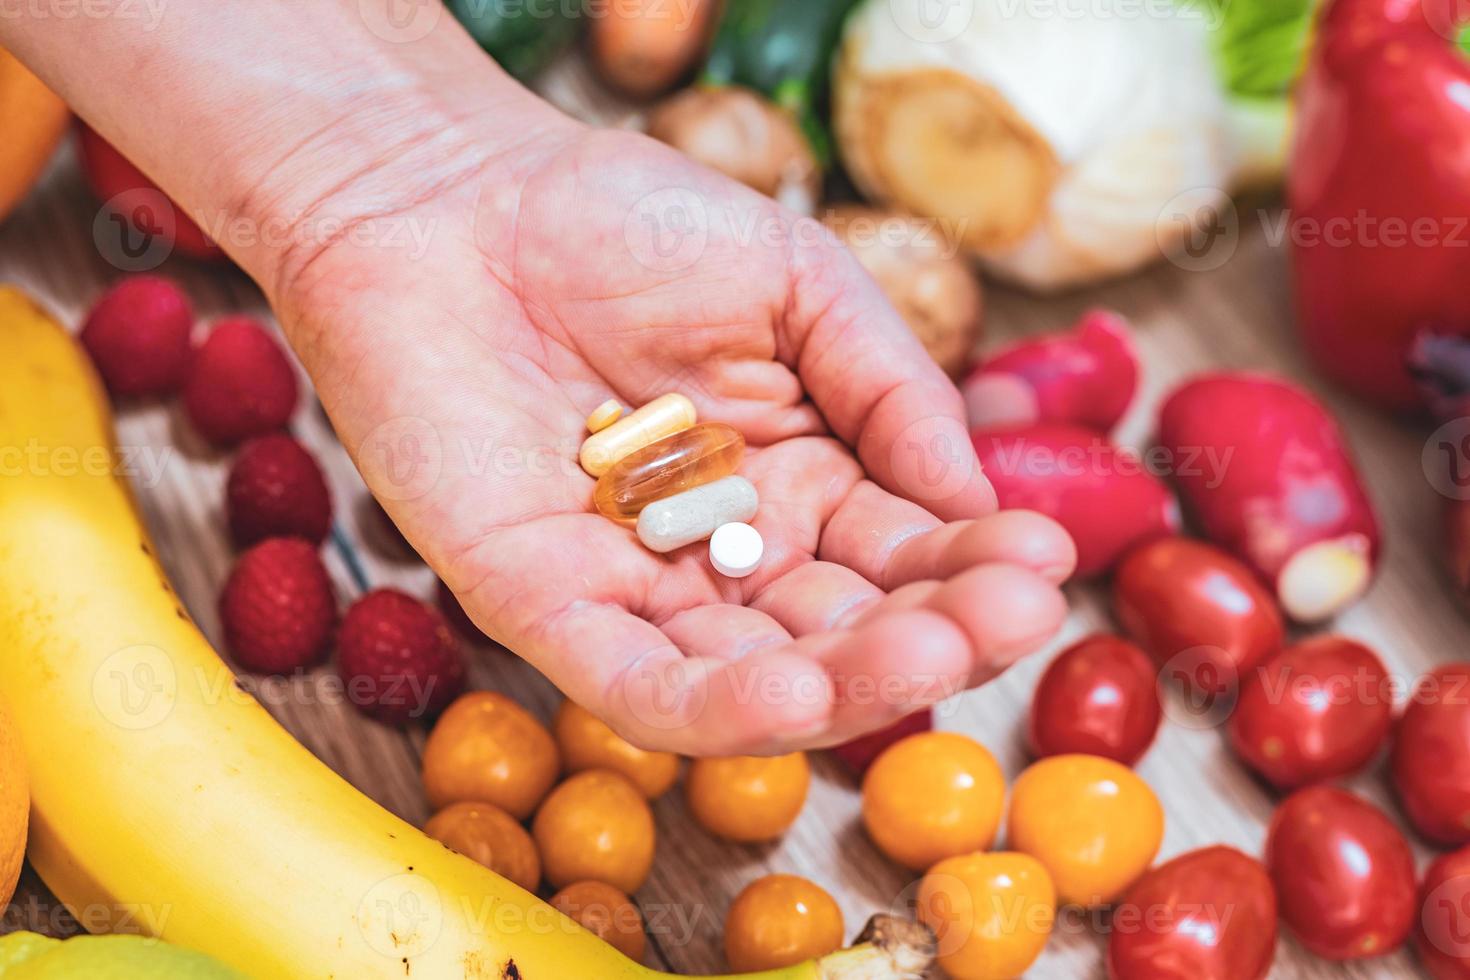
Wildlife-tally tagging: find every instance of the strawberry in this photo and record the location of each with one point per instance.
(454, 613)
(398, 658)
(276, 489)
(138, 336)
(240, 383)
(277, 607)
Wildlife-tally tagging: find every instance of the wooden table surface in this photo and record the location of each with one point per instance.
(1236, 316)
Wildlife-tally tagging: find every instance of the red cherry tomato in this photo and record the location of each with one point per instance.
(1098, 697)
(1343, 873)
(1202, 615)
(1431, 756)
(1206, 915)
(1442, 934)
(1315, 711)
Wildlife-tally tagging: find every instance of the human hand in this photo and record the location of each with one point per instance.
(602, 265)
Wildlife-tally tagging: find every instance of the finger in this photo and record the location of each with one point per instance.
(723, 632)
(1007, 612)
(816, 596)
(911, 596)
(878, 388)
(891, 541)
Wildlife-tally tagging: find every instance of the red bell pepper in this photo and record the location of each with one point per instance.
(1379, 193)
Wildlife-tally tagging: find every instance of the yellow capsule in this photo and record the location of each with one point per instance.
(604, 415)
(661, 417)
(675, 463)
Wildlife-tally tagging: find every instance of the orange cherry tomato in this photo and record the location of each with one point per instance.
(488, 749)
(596, 826)
(586, 742)
(781, 920)
(1092, 822)
(605, 912)
(932, 796)
(992, 913)
(748, 799)
(487, 834)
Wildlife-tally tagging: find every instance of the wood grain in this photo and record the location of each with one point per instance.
(1235, 316)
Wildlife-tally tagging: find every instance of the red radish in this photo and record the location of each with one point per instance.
(1197, 611)
(858, 754)
(1315, 711)
(1344, 875)
(1265, 470)
(109, 174)
(1098, 697)
(1430, 761)
(1206, 915)
(1457, 543)
(1378, 190)
(1442, 935)
(1086, 376)
(1105, 497)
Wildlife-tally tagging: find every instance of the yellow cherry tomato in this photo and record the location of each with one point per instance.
(931, 796)
(487, 834)
(596, 826)
(586, 742)
(606, 912)
(488, 749)
(746, 798)
(781, 920)
(992, 913)
(1093, 822)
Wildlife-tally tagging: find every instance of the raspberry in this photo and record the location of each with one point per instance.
(858, 754)
(138, 336)
(460, 620)
(277, 607)
(276, 489)
(240, 383)
(398, 658)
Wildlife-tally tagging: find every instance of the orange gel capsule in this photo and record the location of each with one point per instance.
(682, 461)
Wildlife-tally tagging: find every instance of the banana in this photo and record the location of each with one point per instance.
(166, 801)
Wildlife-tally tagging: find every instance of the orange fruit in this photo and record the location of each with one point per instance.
(488, 749)
(485, 833)
(33, 120)
(992, 913)
(781, 920)
(748, 799)
(596, 826)
(15, 806)
(605, 912)
(586, 742)
(932, 796)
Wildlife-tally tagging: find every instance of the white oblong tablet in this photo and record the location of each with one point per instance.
(735, 550)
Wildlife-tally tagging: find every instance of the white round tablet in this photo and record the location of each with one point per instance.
(735, 550)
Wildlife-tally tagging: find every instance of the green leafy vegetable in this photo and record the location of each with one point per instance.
(1260, 45)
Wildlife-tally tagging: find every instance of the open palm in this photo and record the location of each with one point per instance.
(603, 265)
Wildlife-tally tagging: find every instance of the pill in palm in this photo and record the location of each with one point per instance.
(694, 515)
(682, 461)
(661, 417)
(604, 415)
(735, 550)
